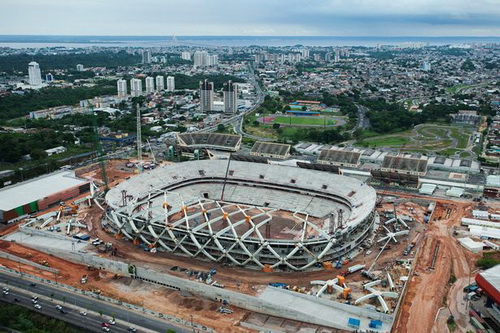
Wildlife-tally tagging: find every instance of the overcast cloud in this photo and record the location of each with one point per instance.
(256, 17)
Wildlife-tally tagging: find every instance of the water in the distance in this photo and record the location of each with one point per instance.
(213, 41)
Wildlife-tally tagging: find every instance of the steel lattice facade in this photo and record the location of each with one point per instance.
(258, 215)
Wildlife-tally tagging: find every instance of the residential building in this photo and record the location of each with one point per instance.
(185, 55)
(135, 87)
(150, 85)
(49, 78)
(170, 83)
(35, 75)
(206, 96)
(213, 60)
(200, 58)
(160, 83)
(146, 56)
(80, 68)
(230, 91)
(121, 86)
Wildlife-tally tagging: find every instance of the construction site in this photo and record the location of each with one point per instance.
(240, 246)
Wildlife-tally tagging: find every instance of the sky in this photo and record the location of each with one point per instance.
(251, 18)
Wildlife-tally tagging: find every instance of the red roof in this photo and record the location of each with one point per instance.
(489, 281)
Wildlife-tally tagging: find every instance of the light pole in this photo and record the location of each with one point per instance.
(22, 175)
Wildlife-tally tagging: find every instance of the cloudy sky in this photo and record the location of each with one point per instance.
(255, 17)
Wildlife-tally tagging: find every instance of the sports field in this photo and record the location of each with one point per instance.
(314, 121)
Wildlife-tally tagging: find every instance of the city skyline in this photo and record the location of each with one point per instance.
(256, 18)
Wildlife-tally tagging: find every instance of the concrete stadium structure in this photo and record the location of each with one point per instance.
(245, 214)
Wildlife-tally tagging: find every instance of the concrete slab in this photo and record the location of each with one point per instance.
(60, 244)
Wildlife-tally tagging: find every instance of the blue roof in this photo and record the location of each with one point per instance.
(354, 322)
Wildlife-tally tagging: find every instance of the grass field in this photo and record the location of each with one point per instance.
(426, 138)
(311, 121)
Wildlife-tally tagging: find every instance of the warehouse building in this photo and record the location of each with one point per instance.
(39, 194)
(489, 282)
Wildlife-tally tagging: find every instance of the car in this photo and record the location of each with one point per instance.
(131, 329)
(5, 289)
(34, 297)
(37, 306)
(33, 284)
(112, 322)
(105, 325)
(58, 307)
(83, 313)
(63, 311)
(16, 300)
(34, 301)
(105, 329)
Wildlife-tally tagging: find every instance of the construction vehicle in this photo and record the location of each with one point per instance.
(338, 265)
(84, 278)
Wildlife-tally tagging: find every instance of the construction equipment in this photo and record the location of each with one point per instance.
(84, 278)
(100, 155)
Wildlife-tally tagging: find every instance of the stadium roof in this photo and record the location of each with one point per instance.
(23, 193)
(270, 148)
(489, 281)
(339, 156)
(210, 140)
(402, 163)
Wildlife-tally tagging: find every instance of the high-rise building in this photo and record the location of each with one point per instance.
(426, 66)
(49, 78)
(160, 83)
(337, 55)
(80, 68)
(328, 57)
(146, 56)
(305, 53)
(206, 96)
(135, 87)
(35, 75)
(150, 85)
(121, 86)
(213, 60)
(185, 55)
(170, 83)
(230, 91)
(200, 58)
(258, 58)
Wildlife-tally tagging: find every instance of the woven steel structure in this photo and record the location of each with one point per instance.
(244, 214)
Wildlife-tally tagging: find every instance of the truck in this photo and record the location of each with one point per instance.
(355, 268)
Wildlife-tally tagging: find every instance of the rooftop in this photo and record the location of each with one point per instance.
(34, 189)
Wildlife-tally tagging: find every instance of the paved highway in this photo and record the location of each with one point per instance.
(123, 316)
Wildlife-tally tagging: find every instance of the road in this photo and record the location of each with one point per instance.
(237, 120)
(92, 306)
(363, 120)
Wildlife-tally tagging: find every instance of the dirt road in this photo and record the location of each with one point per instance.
(430, 289)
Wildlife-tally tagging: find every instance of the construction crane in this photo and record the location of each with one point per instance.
(100, 154)
(152, 152)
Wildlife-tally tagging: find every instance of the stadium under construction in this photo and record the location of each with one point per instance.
(246, 214)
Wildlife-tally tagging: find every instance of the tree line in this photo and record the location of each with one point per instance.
(18, 105)
(14, 63)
